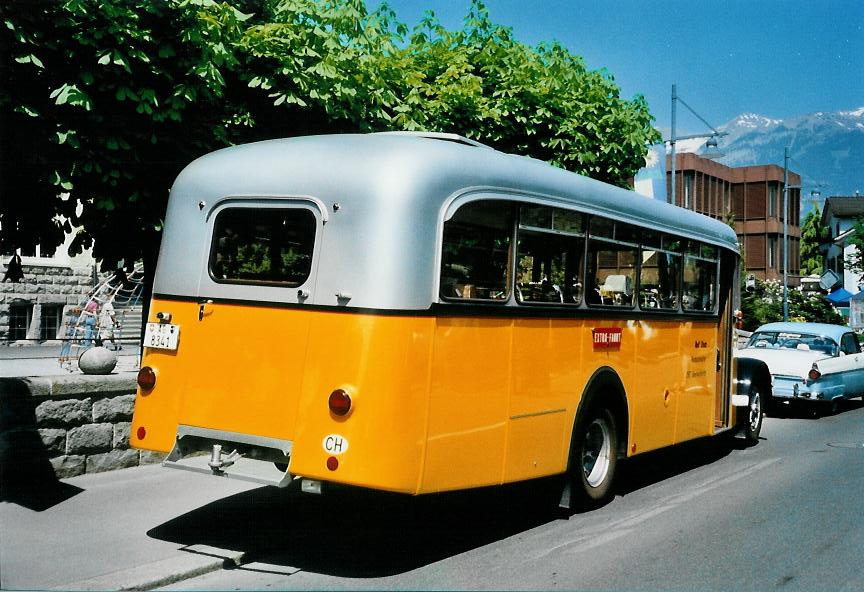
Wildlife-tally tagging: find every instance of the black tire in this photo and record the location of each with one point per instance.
(593, 458)
(753, 416)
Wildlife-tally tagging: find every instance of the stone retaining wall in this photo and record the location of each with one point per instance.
(45, 283)
(81, 423)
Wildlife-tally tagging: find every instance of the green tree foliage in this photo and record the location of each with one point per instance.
(104, 101)
(764, 304)
(812, 235)
(339, 68)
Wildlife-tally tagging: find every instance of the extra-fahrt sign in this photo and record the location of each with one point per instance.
(606, 338)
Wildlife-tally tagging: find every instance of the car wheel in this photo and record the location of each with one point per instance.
(753, 417)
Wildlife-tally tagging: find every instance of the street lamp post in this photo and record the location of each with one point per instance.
(786, 234)
(673, 139)
(712, 137)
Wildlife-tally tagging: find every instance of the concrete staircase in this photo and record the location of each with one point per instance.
(130, 324)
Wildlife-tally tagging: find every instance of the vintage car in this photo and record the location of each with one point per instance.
(809, 361)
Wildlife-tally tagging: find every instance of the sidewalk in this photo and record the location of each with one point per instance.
(43, 360)
(108, 531)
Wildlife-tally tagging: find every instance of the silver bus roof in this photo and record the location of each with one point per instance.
(384, 198)
(434, 166)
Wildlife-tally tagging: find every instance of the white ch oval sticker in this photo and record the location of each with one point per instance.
(335, 444)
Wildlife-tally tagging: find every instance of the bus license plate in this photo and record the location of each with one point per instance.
(161, 336)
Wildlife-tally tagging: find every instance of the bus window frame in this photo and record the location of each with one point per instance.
(611, 240)
(697, 257)
(581, 235)
(265, 202)
(508, 274)
(679, 279)
(672, 243)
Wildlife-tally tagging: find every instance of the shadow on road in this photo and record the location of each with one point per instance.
(361, 533)
(811, 409)
(26, 475)
(653, 467)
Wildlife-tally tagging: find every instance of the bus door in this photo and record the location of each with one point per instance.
(725, 343)
(699, 342)
(244, 340)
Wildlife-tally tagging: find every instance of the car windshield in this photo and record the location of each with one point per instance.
(788, 340)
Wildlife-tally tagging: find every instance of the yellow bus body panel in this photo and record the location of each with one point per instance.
(256, 370)
(438, 403)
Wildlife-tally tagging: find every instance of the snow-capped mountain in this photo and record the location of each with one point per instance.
(827, 149)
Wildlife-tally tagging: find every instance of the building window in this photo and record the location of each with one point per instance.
(51, 316)
(688, 190)
(20, 316)
(772, 253)
(772, 200)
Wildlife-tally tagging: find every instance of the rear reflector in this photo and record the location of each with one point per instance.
(141, 433)
(146, 378)
(339, 402)
(332, 463)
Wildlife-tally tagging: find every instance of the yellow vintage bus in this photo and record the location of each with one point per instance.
(420, 313)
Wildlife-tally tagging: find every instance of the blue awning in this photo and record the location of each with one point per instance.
(840, 297)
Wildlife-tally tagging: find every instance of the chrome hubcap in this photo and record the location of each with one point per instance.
(755, 412)
(596, 452)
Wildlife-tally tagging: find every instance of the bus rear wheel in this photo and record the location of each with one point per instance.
(594, 458)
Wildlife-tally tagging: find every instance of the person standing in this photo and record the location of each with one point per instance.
(107, 323)
(91, 309)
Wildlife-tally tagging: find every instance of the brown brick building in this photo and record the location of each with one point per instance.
(754, 194)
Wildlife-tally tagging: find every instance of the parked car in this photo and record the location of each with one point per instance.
(814, 362)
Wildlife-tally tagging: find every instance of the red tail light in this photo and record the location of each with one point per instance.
(146, 378)
(339, 403)
(814, 373)
(141, 433)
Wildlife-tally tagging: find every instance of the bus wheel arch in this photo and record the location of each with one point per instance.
(598, 440)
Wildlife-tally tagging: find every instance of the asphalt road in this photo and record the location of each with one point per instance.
(785, 514)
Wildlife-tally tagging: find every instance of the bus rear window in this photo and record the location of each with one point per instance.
(270, 246)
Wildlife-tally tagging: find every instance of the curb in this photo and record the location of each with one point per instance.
(71, 385)
(201, 559)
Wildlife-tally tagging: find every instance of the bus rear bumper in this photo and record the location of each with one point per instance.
(232, 455)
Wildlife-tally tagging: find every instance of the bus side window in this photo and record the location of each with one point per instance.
(611, 266)
(549, 255)
(658, 280)
(700, 277)
(476, 252)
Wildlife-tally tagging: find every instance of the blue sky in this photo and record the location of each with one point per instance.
(775, 58)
